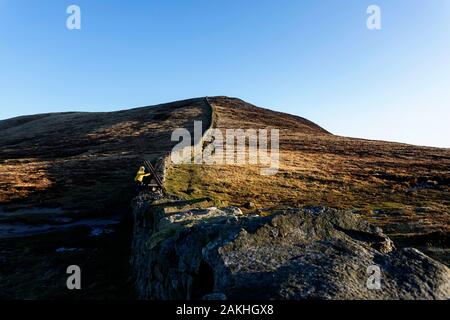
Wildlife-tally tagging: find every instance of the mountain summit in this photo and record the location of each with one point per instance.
(85, 162)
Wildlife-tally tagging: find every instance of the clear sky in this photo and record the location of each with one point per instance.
(313, 58)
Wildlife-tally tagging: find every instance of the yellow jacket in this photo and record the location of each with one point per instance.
(140, 175)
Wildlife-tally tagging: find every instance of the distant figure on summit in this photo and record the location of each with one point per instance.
(140, 175)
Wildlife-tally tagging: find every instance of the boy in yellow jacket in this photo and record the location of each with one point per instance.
(140, 176)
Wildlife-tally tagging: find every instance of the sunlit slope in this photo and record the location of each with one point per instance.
(397, 185)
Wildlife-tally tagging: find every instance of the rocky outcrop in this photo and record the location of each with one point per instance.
(312, 253)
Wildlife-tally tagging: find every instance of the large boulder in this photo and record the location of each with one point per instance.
(312, 253)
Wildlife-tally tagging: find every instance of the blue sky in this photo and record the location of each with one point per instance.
(311, 58)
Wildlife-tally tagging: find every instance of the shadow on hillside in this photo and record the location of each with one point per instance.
(91, 168)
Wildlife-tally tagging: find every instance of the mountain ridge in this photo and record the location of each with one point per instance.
(24, 119)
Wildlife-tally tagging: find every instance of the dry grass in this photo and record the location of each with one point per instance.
(404, 188)
(85, 161)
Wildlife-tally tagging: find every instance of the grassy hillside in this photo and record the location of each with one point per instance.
(403, 188)
(85, 161)
(79, 165)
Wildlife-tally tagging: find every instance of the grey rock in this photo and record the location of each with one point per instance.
(233, 210)
(312, 253)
